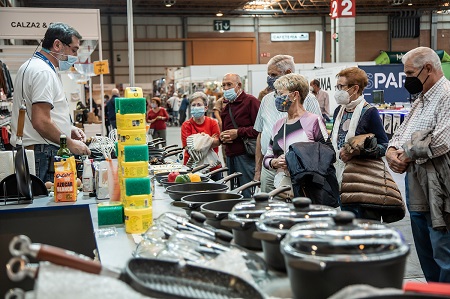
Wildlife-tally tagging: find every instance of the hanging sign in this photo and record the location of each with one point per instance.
(342, 9)
(289, 37)
(101, 67)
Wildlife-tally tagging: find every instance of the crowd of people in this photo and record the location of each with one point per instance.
(271, 139)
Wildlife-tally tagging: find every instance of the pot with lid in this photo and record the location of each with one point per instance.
(323, 257)
(244, 215)
(273, 225)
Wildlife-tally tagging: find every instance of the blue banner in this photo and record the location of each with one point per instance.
(390, 78)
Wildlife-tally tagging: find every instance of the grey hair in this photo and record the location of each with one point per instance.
(293, 82)
(421, 56)
(283, 63)
(235, 77)
(199, 95)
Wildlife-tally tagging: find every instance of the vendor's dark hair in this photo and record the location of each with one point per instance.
(60, 31)
(316, 82)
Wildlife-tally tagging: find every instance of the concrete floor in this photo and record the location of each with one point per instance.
(413, 271)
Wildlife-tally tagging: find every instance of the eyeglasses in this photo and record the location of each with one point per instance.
(228, 84)
(339, 86)
(74, 50)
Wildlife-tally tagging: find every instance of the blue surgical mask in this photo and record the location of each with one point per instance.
(198, 111)
(271, 81)
(283, 103)
(64, 65)
(230, 94)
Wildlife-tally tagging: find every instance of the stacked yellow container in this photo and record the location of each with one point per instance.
(132, 155)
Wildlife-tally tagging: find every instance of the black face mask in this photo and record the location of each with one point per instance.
(413, 84)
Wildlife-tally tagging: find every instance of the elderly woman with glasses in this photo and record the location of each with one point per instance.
(200, 135)
(355, 117)
(298, 126)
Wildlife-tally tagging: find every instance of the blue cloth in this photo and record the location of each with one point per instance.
(245, 165)
(432, 246)
(111, 111)
(43, 156)
(184, 104)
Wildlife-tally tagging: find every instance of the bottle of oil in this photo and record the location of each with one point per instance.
(63, 151)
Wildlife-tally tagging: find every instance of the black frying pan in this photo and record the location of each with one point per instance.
(176, 192)
(21, 161)
(152, 277)
(163, 175)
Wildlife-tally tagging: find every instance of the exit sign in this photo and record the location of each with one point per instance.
(222, 25)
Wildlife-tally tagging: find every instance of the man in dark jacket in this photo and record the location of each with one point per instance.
(243, 108)
(111, 108)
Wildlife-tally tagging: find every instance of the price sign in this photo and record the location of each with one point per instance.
(101, 67)
(342, 9)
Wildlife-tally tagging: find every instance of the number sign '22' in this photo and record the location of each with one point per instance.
(342, 9)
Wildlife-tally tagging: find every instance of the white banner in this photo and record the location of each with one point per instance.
(32, 23)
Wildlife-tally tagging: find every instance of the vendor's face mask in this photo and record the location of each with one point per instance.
(413, 84)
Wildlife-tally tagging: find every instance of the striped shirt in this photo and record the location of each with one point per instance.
(268, 115)
(430, 111)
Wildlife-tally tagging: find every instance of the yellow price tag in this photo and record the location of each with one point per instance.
(101, 67)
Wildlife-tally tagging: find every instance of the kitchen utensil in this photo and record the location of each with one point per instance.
(176, 192)
(19, 267)
(21, 162)
(163, 175)
(166, 183)
(158, 278)
(194, 201)
(323, 257)
(273, 225)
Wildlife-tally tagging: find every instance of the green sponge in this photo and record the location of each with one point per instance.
(116, 148)
(135, 153)
(137, 186)
(110, 213)
(132, 105)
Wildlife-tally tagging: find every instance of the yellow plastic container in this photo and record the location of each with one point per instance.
(142, 200)
(137, 220)
(130, 137)
(137, 169)
(133, 92)
(131, 121)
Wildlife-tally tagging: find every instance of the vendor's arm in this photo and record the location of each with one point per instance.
(44, 125)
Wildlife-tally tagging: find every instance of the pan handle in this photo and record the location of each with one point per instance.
(169, 146)
(229, 177)
(19, 267)
(279, 190)
(53, 254)
(157, 143)
(267, 236)
(211, 173)
(200, 167)
(179, 204)
(172, 153)
(21, 121)
(245, 186)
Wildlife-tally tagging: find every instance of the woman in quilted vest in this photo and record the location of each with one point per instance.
(200, 136)
(354, 118)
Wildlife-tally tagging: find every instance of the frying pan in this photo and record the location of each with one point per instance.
(194, 201)
(176, 192)
(158, 160)
(153, 277)
(21, 161)
(164, 154)
(8, 187)
(166, 183)
(163, 175)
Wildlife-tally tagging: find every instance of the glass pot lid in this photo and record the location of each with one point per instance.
(250, 211)
(280, 221)
(342, 238)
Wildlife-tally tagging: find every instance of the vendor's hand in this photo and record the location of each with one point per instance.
(397, 160)
(78, 134)
(257, 175)
(228, 136)
(78, 147)
(345, 156)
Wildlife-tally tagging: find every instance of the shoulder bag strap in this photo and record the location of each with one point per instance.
(232, 118)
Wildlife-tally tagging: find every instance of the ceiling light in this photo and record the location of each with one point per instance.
(169, 3)
(219, 14)
(410, 3)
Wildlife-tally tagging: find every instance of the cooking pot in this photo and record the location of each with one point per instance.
(323, 257)
(176, 192)
(244, 215)
(273, 225)
(194, 201)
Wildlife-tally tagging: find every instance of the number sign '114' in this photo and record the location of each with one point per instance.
(342, 9)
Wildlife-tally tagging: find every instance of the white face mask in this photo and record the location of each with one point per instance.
(311, 89)
(342, 97)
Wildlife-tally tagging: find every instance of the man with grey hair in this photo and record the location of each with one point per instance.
(268, 115)
(238, 118)
(421, 147)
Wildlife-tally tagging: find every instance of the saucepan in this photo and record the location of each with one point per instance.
(155, 277)
(164, 174)
(322, 257)
(176, 192)
(216, 211)
(194, 201)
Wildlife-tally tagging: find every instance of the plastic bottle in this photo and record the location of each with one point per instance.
(87, 177)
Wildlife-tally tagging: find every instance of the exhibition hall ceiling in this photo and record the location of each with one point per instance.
(239, 7)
